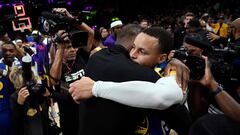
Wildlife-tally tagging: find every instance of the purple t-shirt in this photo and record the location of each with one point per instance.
(110, 41)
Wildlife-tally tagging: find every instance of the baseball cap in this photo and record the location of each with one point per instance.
(116, 23)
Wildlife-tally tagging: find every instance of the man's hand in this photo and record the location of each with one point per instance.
(208, 79)
(62, 11)
(81, 89)
(61, 37)
(182, 72)
(171, 54)
(212, 37)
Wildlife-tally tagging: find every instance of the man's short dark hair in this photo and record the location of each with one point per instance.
(165, 39)
(194, 23)
(9, 42)
(197, 40)
(189, 14)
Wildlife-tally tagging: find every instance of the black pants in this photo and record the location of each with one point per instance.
(215, 125)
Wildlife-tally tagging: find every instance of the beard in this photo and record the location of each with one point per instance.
(71, 58)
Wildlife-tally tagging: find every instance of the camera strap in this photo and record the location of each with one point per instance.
(54, 112)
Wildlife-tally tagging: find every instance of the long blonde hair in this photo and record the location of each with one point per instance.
(17, 79)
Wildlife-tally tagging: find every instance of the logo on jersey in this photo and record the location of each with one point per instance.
(31, 112)
(1, 86)
(142, 127)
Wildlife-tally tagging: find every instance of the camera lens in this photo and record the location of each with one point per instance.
(196, 66)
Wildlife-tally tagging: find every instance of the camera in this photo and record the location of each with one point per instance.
(195, 64)
(50, 24)
(36, 90)
(224, 64)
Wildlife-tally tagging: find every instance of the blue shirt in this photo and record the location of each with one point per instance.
(6, 89)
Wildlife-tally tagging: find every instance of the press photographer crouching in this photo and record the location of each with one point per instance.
(30, 102)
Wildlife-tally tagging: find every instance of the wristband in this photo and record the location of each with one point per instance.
(217, 91)
(55, 79)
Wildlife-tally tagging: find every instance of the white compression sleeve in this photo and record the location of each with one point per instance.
(160, 95)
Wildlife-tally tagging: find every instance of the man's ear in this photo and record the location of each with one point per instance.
(162, 58)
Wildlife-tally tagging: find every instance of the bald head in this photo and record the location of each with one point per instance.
(236, 24)
(127, 35)
(235, 28)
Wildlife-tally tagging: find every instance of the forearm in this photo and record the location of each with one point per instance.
(227, 104)
(90, 31)
(160, 95)
(52, 53)
(56, 68)
(20, 52)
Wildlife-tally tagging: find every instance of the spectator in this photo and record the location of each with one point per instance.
(8, 61)
(104, 33)
(218, 124)
(181, 30)
(220, 28)
(144, 23)
(111, 39)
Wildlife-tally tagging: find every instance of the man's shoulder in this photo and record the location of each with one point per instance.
(117, 63)
(123, 69)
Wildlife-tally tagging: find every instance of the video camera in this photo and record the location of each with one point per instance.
(50, 24)
(224, 63)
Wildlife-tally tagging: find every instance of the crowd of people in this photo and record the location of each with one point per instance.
(129, 78)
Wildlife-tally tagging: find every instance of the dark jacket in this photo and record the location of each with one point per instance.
(29, 120)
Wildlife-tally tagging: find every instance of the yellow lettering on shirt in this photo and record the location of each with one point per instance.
(31, 112)
(1, 86)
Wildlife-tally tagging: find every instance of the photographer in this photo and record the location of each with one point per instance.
(30, 101)
(218, 124)
(200, 101)
(68, 66)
